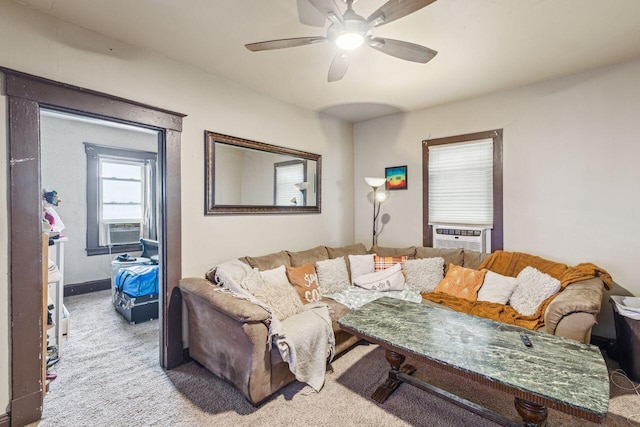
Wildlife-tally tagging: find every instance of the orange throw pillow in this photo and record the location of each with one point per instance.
(384, 262)
(305, 281)
(462, 282)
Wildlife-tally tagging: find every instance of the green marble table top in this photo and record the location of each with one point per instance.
(558, 369)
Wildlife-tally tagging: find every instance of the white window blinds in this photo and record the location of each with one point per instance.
(461, 183)
(288, 174)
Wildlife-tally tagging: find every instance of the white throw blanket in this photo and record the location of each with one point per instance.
(355, 297)
(304, 340)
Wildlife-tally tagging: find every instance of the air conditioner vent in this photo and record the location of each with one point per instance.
(123, 233)
(474, 239)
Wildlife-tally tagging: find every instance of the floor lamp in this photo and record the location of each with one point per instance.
(378, 198)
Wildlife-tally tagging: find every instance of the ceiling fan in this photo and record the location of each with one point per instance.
(349, 31)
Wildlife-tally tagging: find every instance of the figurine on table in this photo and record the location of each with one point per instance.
(51, 222)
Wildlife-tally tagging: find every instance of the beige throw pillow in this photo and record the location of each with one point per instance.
(497, 288)
(361, 264)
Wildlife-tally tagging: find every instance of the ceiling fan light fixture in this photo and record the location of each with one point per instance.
(349, 41)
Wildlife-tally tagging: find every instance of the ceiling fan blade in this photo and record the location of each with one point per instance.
(339, 67)
(403, 50)
(328, 8)
(309, 15)
(283, 43)
(396, 9)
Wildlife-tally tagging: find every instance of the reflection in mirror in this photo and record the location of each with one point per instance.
(245, 176)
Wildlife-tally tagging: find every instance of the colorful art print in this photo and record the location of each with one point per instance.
(396, 178)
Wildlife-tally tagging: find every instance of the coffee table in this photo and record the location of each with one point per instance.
(555, 372)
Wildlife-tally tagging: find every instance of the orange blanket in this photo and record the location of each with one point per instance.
(510, 264)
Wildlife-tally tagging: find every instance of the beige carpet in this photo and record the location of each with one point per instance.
(109, 376)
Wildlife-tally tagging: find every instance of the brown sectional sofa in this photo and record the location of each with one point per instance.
(229, 335)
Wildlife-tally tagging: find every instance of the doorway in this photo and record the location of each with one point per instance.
(26, 96)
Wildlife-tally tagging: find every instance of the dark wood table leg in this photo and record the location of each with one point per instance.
(532, 414)
(393, 382)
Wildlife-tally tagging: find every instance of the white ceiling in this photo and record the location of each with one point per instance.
(483, 45)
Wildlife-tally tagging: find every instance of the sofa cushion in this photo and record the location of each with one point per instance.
(473, 259)
(390, 279)
(357, 249)
(332, 275)
(497, 288)
(384, 262)
(461, 282)
(533, 288)
(450, 256)
(361, 264)
(305, 282)
(336, 311)
(267, 262)
(384, 251)
(318, 253)
(423, 275)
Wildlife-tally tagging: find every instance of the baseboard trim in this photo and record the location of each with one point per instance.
(5, 421)
(86, 287)
(26, 409)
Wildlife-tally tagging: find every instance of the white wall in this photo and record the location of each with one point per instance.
(64, 169)
(570, 169)
(40, 45)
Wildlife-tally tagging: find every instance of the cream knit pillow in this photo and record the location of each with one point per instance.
(423, 275)
(533, 288)
(332, 276)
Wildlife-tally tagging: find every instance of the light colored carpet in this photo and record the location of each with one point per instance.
(109, 376)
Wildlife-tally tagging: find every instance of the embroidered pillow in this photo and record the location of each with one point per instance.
(305, 282)
(332, 276)
(497, 288)
(360, 265)
(390, 279)
(278, 293)
(423, 275)
(533, 288)
(384, 262)
(461, 282)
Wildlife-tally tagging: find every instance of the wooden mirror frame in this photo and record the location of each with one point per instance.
(210, 138)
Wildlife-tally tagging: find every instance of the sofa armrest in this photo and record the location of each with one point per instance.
(238, 309)
(583, 297)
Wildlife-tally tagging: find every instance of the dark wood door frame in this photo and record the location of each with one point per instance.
(26, 95)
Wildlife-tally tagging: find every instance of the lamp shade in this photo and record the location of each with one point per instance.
(375, 182)
(301, 186)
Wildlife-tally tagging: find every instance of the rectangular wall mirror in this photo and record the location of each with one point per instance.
(249, 177)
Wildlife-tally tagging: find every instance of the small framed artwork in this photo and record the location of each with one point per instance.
(396, 178)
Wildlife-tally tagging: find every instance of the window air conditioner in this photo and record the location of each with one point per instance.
(123, 233)
(448, 236)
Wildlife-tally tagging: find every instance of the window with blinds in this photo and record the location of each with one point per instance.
(120, 198)
(287, 174)
(461, 183)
